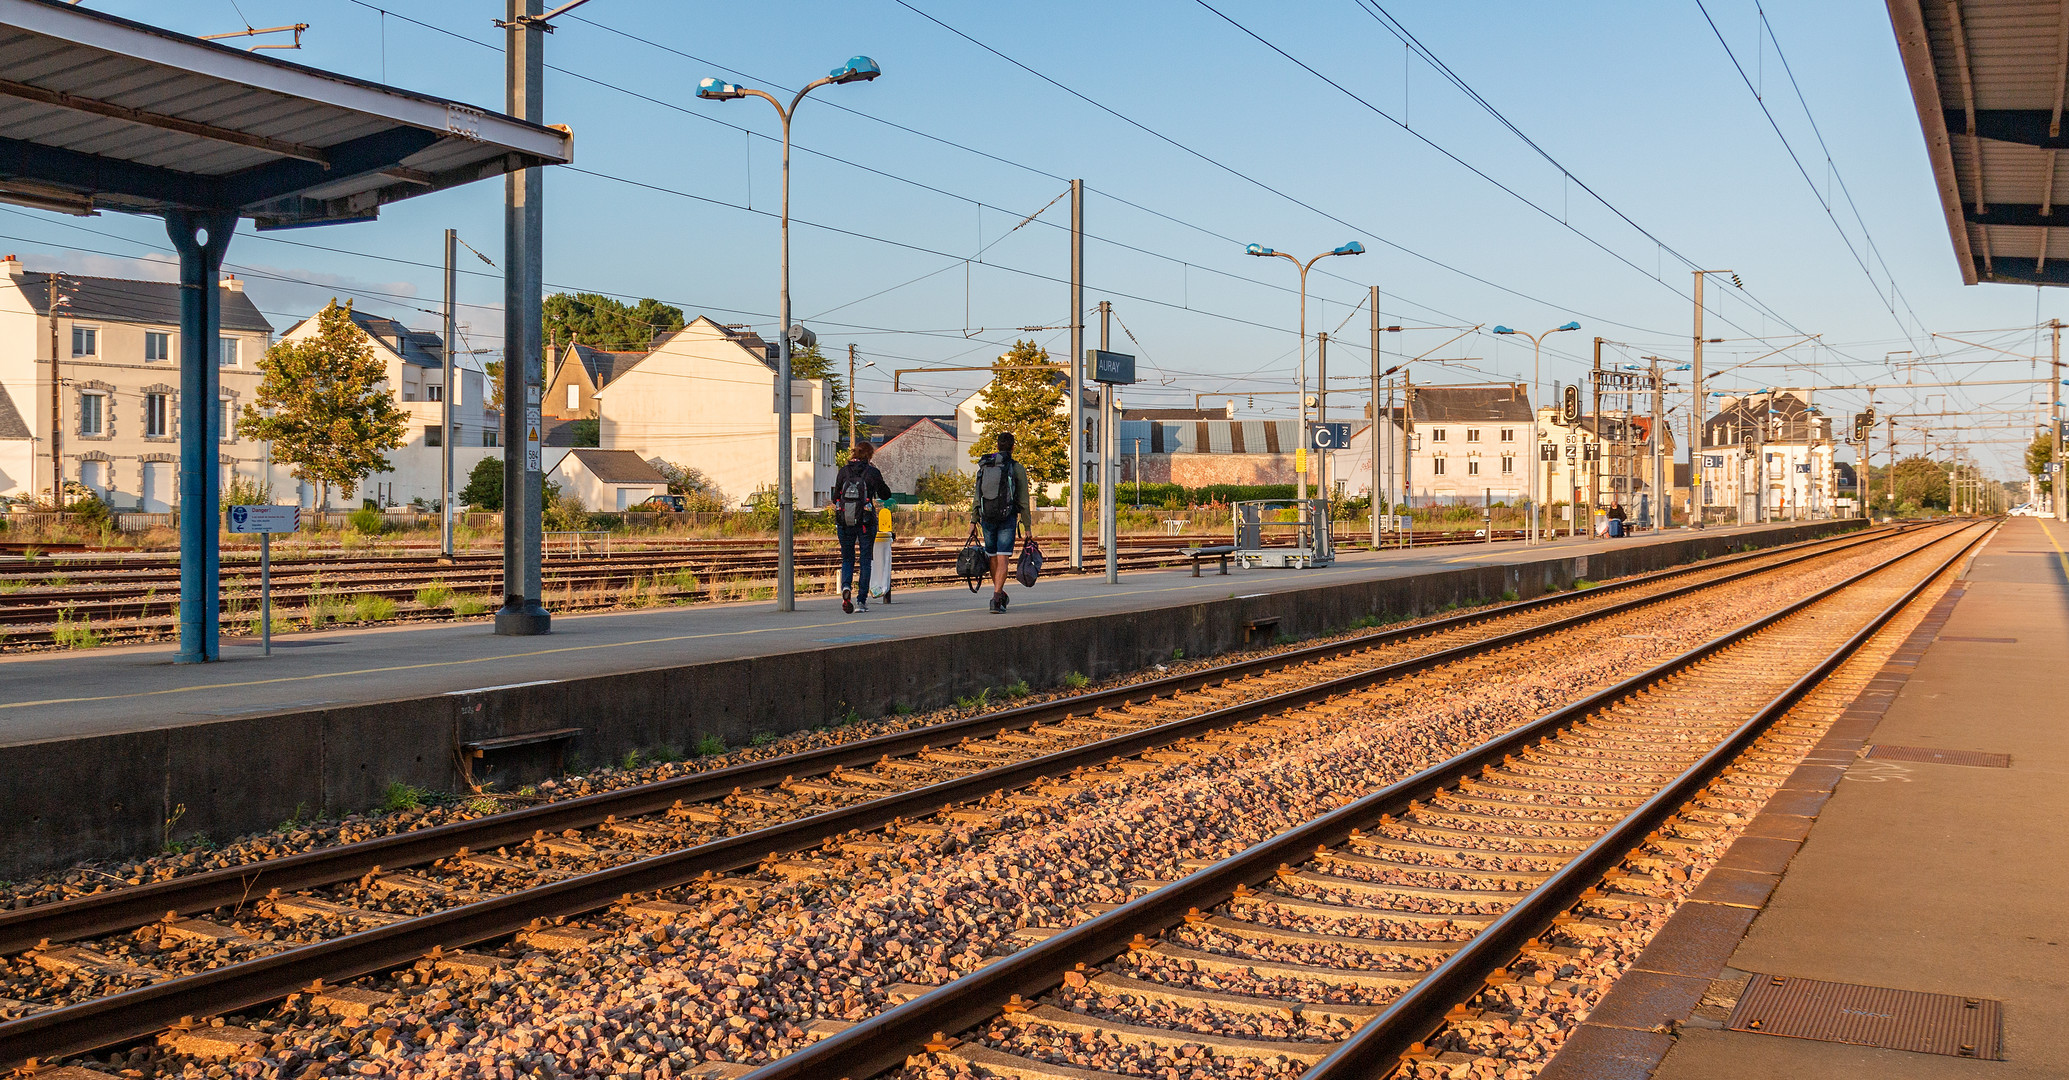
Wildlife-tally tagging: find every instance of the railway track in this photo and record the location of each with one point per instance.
(117, 966)
(1352, 939)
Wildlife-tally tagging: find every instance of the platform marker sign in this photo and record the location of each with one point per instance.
(1331, 436)
(265, 520)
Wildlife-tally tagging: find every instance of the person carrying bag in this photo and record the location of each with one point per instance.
(857, 489)
(997, 508)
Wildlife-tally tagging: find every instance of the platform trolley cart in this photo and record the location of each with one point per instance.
(880, 561)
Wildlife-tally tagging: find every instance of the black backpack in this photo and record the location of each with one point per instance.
(997, 496)
(851, 497)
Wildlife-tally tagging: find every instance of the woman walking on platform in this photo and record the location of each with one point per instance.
(857, 488)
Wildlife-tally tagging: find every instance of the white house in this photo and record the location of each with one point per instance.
(116, 383)
(607, 479)
(1452, 444)
(1771, 456)
(705, 397)
(415, 363)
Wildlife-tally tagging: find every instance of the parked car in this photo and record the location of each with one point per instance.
(2028, 510)
(665, 504)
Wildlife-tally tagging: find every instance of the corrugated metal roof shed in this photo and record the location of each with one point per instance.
(1988, 79)
(102, 112)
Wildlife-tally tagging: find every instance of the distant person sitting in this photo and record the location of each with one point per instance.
(1617, 517)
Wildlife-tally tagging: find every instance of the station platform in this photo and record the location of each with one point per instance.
(100, 749)
(1935, 864)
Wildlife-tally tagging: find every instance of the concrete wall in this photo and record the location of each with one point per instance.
(112, 796)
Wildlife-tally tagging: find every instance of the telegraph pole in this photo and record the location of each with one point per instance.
(1077, 375)
(1372, 440)
(1109, 528)
(445, 409)
(1321, 417)
(851, 394)
(2055, 492)
(57, 404)
(524, 192)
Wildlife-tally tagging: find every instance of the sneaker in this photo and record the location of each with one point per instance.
(1005, 600)
(848, 601)
(998, 603)
(862, 605)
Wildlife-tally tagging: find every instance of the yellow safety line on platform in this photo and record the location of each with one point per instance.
(845, 622)
(2060, 554)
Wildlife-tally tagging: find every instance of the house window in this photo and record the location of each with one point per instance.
(1508, 464)
(91, 407)
(574, 397)
(86, 341)
(433, 436)
(488, 437)
(155, 412)
(228, 356)
(157, 346)
(1437, 466)
(1508, 434)
(804, 449)
(225, 418)
(1472, 434)
(434, 392)
(1437, 434)
(1473, 467)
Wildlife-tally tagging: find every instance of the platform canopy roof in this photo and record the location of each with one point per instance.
(1988, 78)
(98, 112)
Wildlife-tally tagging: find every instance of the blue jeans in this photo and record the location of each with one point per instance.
(998, 539)
(851, 537)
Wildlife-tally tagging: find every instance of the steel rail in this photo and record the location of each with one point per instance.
(133, 1014)
(1417, 1013)
(126, 908)
(886, 1040)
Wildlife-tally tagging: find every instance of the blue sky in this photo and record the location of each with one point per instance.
(1638, 102)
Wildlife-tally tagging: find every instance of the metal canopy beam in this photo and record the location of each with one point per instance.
(2025, 127)
(159, 120)
(2027, 214)
(2015, 270)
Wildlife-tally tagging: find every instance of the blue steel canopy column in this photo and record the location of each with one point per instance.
(201, 238)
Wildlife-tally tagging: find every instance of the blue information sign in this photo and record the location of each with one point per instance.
(1111, 367)
(1331, 436)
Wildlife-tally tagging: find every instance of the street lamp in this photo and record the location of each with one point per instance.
(1352, 248)
(857, 69)
(1537, 395)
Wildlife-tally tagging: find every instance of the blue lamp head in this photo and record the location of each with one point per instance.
(1634, 367)
(1258, 249)
(1352, 248)
(1503, 330)
(719, 90)
(857, 69)
(1685, 367)
(1571, 326)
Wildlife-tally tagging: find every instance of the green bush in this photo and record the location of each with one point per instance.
(369, 521)
(951, 488)
(484, 485)
(368, 607)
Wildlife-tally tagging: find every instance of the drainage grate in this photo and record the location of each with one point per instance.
(1871, 1016)
(1975, 758)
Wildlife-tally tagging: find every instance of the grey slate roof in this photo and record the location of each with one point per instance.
(122, 300)
(603, 365)
(618, 467)
(883, 427)
(420, 348)
(1458, 404)
(11, 425)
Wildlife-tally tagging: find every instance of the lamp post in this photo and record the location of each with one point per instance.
(857, 69)
(1536, 395)
(1352, 248)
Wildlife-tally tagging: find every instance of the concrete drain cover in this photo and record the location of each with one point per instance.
(1930, 755)
(1871, 1016)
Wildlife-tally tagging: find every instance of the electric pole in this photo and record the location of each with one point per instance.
(1109, 527)
(1372, 435)
(851, 394)
(1321, 418)
(522, 613)
(445, 410)
(2055, 413)
(57, 403)
(1077, 375)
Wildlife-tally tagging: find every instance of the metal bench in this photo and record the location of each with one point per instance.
(1217, 551)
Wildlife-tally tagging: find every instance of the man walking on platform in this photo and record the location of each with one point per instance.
(997, 508)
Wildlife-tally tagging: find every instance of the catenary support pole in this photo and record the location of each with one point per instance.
(522, 613)
(200, 239)
(56, 296)
(1109, 413)
(1378, 417)
(1323, 490)
(266, 593)
(851, 393)
(1696, 404)
(2061, 474)
(445, 408)
(1076, 488)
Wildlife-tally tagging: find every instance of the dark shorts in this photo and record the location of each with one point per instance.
(998, 539)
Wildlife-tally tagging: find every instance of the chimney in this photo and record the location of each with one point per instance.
(11, 266)
(231, 283)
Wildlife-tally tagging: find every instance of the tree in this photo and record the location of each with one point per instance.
(698, 492)
(1027, 400)
(600, 322)
(2038, 456)
(484, 485)
(813, 364)
(1922, 482)
(322, 405)
(951, 488)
